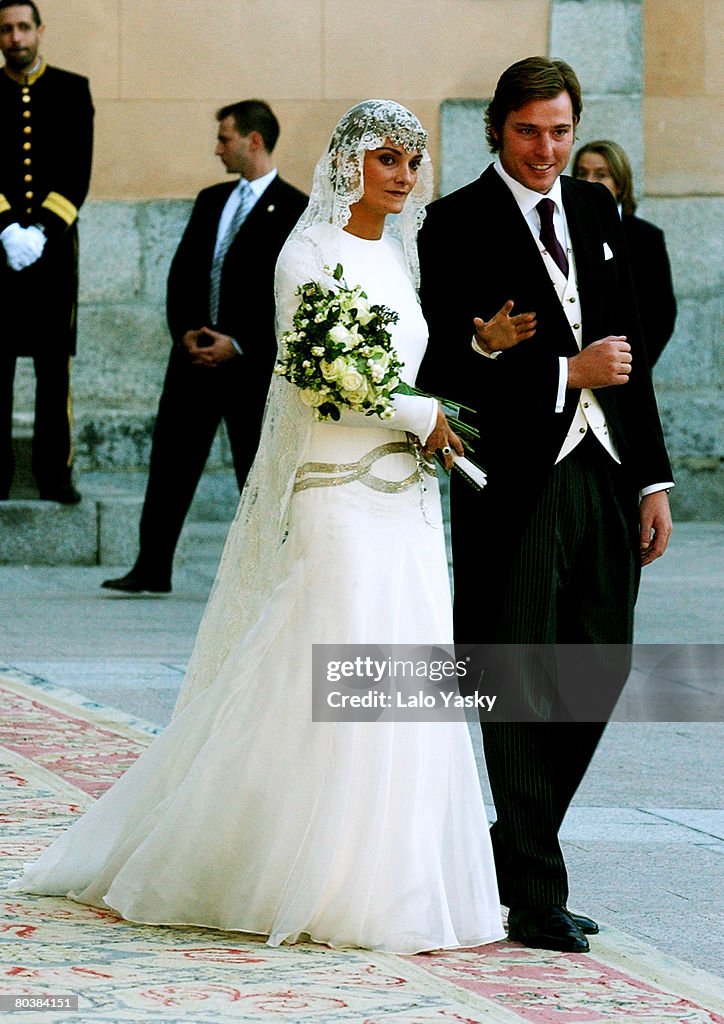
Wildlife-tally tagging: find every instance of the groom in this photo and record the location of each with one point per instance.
(550, 552)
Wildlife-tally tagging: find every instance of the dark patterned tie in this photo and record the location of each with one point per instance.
(548, 235)
(247, 200)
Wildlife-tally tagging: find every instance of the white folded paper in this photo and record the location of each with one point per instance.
(474, 473)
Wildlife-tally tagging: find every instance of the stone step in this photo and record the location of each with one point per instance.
(101, 530)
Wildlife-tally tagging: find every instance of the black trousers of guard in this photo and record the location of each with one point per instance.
(52, 450)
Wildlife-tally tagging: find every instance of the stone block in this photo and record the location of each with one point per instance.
(24, 390)
(115, 440)
(694, 229)
(110, 252)
(464, 152)
(45, 533)
(602, 41)
(217, 496)
(699, 488)
(693, 423)
(122, 356)
(693, 355)
(23, 485)
(118, 519)
(161, 224)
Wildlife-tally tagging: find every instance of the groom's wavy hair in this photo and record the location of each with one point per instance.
(533, 78)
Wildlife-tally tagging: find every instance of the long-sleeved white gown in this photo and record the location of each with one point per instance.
(245, 814)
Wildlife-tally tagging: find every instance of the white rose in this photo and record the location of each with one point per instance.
(334, 370)
(364, 315)
(311, 397)
(356, 390)
(339, 335)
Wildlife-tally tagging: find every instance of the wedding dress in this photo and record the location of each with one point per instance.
(244, 814)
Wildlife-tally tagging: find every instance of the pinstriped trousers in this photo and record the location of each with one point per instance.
(572, 579)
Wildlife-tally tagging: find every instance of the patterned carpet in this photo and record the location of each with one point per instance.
(59, 751)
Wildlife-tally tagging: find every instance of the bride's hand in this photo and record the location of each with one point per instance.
(503, 330)
(444, 439)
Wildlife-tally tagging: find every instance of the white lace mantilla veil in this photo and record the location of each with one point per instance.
(247, 573)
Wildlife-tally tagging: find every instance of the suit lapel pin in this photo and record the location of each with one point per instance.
(270, 208)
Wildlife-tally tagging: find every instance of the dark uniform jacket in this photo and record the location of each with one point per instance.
(46, 143)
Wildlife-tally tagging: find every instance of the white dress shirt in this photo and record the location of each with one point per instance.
(257, 186)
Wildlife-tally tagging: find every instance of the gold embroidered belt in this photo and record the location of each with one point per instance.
(334, 474)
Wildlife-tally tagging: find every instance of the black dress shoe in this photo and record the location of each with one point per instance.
(135, 583)
(546, 928)
(587, 925)
(66, 495)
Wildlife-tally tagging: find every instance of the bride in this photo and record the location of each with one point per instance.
(245, 814)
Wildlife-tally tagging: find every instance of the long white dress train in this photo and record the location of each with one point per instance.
(244, 814)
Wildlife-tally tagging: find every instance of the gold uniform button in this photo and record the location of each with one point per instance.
(28, 177)
(29, 209)
(27, 145)
(26, 113)
(29, 195)
(26, 98)
(27, 130)
(27, 161)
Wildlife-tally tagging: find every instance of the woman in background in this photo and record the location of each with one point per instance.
(606, 162)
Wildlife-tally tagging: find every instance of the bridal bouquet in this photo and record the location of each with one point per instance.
(339, 354)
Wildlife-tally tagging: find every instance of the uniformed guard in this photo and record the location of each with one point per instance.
(46, 143)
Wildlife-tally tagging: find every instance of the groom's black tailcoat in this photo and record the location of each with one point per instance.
(476, 252)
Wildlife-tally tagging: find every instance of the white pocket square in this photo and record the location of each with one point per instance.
(607, 254)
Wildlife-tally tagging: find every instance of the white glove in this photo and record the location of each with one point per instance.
(23, 246)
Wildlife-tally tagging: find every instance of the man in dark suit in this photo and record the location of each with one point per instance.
(46, 146)
(548, 555)
(220, 306)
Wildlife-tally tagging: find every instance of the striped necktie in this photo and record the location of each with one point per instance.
(245, 204)
(548, 235)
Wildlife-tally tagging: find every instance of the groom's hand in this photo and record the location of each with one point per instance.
(503, 330)
(601, 364)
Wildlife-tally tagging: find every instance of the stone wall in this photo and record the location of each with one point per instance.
(126, 246)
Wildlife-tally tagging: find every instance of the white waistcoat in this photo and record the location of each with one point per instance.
(589, 414)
